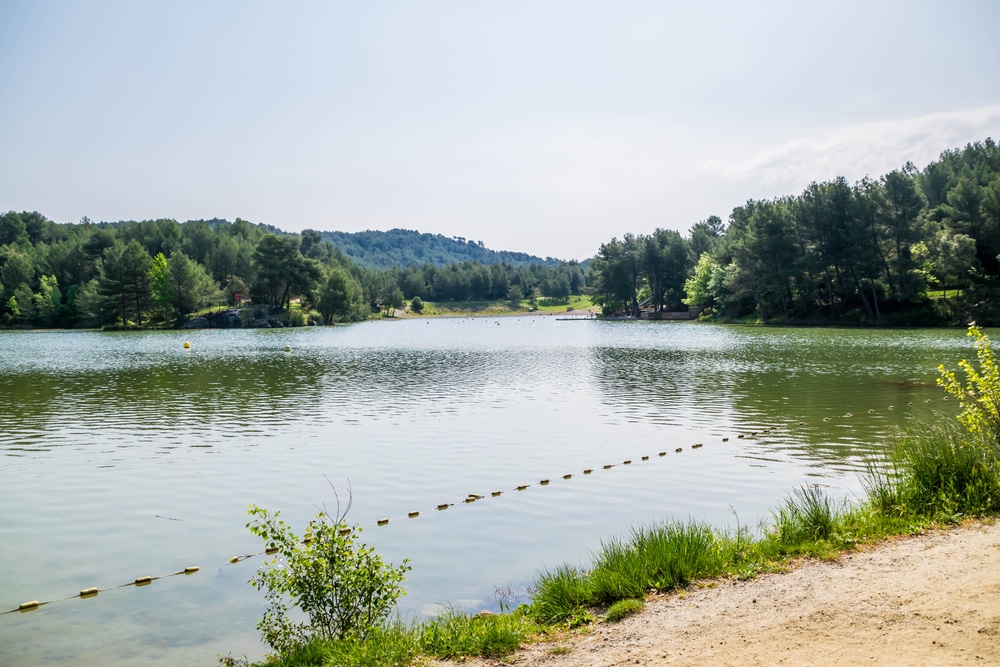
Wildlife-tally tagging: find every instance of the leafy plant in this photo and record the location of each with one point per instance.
(979, 397)
(342, 585)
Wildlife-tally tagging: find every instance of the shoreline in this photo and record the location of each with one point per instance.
(928, 599)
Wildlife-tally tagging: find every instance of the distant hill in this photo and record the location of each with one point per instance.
(403, 247)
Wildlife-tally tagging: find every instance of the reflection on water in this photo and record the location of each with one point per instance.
(125, 455)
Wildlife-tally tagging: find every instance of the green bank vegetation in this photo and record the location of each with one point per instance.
(932, 475)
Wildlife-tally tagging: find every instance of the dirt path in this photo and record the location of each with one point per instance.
(927, 600)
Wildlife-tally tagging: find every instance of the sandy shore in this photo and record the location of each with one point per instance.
(933, 599)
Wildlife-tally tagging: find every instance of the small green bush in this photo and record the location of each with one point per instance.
(623, 609)
(979, 396)
(343, 586)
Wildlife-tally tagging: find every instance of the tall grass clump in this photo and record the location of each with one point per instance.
(454, 634)
(939, 472)
(661, 557)
(560, 593)
(807, 517)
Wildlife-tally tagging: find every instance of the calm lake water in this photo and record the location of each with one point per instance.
(125, 455)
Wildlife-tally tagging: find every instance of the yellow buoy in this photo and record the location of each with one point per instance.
(587, 471)
(414, 514)
(288, 348)
(271, 550)
(191, 570)
(29, 606)
(496, 493)
(187, 345)
(143, 581)
(89, 592)
(522, 487)
(383, 522)
(544, 482)
(645, 458)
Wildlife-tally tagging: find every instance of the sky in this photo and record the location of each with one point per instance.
(546, 127)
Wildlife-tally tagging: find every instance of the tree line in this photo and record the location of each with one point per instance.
(912, 247)
(133, 273)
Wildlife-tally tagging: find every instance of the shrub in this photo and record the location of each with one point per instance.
(417, 305)
(979, 397)
(343, 586)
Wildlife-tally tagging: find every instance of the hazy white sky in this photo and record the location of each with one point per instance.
(546, 127)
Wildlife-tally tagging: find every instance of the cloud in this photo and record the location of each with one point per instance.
(854, 151)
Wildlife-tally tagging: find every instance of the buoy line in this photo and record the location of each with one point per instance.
(87, 593)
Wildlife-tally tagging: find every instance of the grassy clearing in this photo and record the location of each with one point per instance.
(934, 474)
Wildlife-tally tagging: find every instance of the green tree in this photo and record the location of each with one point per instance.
(159, 285)
(12, 229)
(339, 297)
(46, 301)
(190, 284)
(282, 271)
(124, 281)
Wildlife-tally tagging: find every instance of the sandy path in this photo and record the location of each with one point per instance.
(927, 600)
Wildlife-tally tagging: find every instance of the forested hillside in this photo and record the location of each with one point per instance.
(160, 271)
(403, 247)
(912, 247)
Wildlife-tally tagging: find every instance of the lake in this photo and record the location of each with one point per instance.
(125, 455)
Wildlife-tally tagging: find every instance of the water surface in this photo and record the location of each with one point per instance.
(125, 455)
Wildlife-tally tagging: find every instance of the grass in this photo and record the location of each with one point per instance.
(455, 634)
(623, 609)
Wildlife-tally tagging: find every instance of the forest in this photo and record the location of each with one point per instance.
(159, 272)
(909, 248)
(403, 247)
